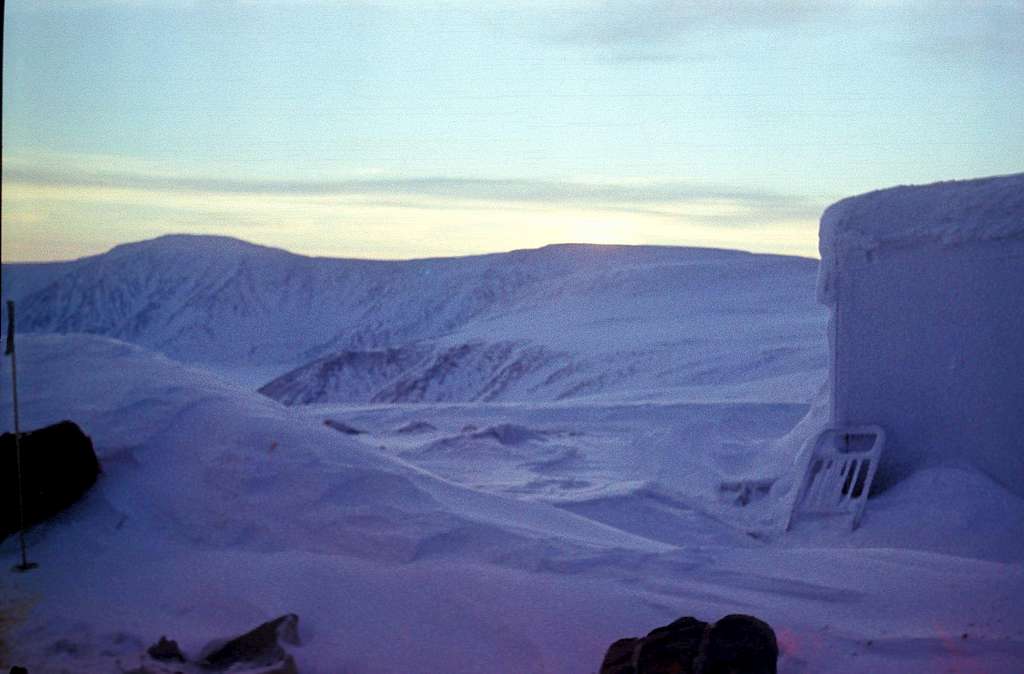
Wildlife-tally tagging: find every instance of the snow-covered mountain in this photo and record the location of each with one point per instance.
(561, 321)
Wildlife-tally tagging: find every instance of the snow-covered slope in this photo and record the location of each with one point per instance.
(201, 299)
(473, 538)
(619, 321)
(561, 321)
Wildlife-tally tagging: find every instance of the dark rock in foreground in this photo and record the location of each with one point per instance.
(258, 651)
(619, 658)
(58, 465)
(260, 647)
(736, 644)
(740, 644)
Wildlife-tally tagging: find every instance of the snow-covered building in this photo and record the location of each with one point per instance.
(926, 336)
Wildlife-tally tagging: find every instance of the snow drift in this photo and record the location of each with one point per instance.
(403, 552)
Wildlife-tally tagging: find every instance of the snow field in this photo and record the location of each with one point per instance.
(219, 509)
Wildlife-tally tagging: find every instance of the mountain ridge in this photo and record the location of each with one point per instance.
(493, 326)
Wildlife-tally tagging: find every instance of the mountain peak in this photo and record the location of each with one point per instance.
(193, 244)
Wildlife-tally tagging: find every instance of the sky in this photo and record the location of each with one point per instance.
(399, 129)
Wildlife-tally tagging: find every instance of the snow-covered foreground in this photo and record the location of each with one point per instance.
(480, 537)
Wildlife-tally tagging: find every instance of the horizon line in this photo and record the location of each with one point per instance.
(485, 253)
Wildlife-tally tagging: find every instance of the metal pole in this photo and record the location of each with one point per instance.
(25, 565)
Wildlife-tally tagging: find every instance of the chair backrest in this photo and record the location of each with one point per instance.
(839, 473)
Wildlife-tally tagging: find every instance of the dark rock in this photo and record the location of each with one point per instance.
(342, 427)
(166, 649)
(619, 658)
(671, 649)
(260, 647)
(58, 465)
(18, 670)
(736, 644)
(740, 644)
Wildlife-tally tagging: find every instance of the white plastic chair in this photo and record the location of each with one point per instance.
(839, 473)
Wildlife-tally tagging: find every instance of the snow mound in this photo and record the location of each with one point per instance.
(228, 467)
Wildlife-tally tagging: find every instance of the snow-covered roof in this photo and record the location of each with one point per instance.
(948, 213)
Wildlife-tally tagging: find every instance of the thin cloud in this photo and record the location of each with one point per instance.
(654, 57)
(617, 23)
(649, 196)
(955, 30)
(651, 31)
(385, 217)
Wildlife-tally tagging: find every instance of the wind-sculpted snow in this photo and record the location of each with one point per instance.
(220, 454)
(477, 537)
(557, 322)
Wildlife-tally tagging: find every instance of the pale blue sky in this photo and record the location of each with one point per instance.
(407, 129)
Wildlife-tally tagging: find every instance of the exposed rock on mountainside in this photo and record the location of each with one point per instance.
(469, 371)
